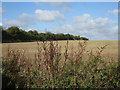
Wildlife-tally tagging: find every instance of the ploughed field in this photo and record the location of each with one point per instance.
(110, 52)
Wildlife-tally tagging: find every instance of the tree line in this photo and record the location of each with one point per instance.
(15, 34)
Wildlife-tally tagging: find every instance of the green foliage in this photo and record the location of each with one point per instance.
(47, 73)
(83, 38)
(15, 34)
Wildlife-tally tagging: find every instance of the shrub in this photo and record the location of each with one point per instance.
(48, 72)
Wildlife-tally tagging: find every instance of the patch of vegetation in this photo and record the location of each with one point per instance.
(15, 34)
(53, 69)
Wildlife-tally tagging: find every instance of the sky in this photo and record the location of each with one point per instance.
(60, 0)
(94, 20)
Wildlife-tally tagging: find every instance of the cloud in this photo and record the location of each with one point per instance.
(13, 23)
(0, 24)
(114, 12)
(25, 20)
(47, 15)
(1, 10)
(30, 19)
(83, 18)
(63, 6)
(95, 29)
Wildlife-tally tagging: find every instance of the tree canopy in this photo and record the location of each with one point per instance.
(15, 34)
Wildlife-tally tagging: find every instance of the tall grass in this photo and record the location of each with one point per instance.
(52, 68)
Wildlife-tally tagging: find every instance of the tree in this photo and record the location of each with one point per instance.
(1, 28)
(33, 33)
(13, 31)
(6, 37)
(60, 36)
(14, 34)
(77, 37)
(84, 38)
(50, 36)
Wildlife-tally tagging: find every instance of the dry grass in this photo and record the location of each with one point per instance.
(30, 48)
(43, 63)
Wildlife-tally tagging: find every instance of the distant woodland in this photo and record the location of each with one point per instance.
(15, 34)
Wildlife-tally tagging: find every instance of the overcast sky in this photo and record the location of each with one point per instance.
(94, 20)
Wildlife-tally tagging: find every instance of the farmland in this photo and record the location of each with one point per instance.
(61, 64)
(111, 51)
(60, 45)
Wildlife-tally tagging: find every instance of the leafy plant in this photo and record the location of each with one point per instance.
(47, 71)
